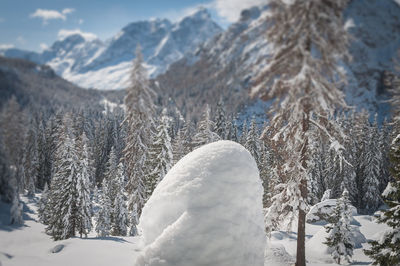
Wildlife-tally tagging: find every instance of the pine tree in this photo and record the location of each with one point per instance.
(302, 75)
(119, 213)
(178, 147)
(339, 232)
(373, 158)
(133, 222)
(16, 211)
(84, 204)
(161, 157)
(63, 196)
(205, 130)
(103, 218)
(43, 211)
(220, 120)
(252, 142)
(31, 161)
(139, 125)
(386, 250)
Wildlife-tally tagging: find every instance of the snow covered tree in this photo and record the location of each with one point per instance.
(252, 142)
(160, 155)
(43, 211)
(120, 220)
(133, 222)
(16, 211)
(205, 130)
(103, 218)
(372, 172)
(84, 204)
(243, 135)
(139, 125)
(302, 75)
(63, 196)
(31, 160)
(178, 147)
(386, 250)
(220, 120)
(339, 232)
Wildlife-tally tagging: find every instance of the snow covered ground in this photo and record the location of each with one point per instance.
(29, 245)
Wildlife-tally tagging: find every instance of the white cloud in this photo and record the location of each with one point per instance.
(176, 15)
(230, 9)
(47, 14)
(67, 11)
(62, 34)
(43, 46)
(80, 21)
(21, 40)
(6, 46)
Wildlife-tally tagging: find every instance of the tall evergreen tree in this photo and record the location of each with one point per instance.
(43, 210)
(220, 120)
(63, 196)
(386, 250)
(103, 218)
(160, 156)
(205, 130)
(339, 238)
(302, 75)
(119, 213)
(84, 204)
(139, 125)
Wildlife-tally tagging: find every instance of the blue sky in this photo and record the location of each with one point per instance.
(35, 24)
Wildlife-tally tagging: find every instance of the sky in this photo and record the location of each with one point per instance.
(36, 24)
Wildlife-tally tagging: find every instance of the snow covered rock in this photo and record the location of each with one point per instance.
(321, 212)
(206, 211)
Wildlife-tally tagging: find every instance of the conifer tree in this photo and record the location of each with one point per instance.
(178, 147)
(302, 75)
(139, 125)
(119, 213)
(220, 120)
(161, 157)
(103, 218)
(373, 158)
(205, 130)
(133, 222)
(63, 196)
(84, 204)
(252, 142)
(16, 211)
(386, 250)
(43, 209)
(339, 232)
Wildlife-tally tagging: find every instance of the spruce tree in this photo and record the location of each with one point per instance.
(252, 142)
(205, 130)
(372, 172)
(43, 211)
(139, 126)
(178, 147)
(120, 220)
(160, 156)
(386, 250)
(103, 218)
(302, 76)
(63, 196)
(16, 211)
(339, 232)
(220, 120)
(84, 204)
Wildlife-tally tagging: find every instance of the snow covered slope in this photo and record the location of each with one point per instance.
(225, 65)
(206, 211)
(91, 63)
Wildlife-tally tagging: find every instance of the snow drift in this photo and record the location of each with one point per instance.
(206, 211)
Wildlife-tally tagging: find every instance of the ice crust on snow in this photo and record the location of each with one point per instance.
(206, 211)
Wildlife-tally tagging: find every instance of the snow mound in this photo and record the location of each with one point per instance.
(206, 211)
(322, 211)
(276, 255)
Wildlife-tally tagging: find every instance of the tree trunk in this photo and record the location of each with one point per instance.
(301, 237)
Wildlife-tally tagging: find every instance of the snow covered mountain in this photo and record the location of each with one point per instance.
(91, 63)
(225, 65)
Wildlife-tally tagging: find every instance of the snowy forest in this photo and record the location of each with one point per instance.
(311, 171)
